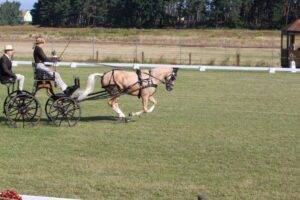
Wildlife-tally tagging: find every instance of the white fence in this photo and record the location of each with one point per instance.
(201, 68)
(26, 197)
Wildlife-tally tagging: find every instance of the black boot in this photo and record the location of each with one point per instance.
(70, 90)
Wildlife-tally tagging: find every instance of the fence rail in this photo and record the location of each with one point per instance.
(197, 51)
(201, 68)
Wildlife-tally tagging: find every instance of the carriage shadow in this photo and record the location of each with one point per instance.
(2, 120)
(111, 119)
(88, 119)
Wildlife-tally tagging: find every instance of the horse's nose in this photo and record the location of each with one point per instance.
(169, 88)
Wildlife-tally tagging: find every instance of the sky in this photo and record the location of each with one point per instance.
(25, 4)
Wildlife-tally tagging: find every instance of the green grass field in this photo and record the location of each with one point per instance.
(224, 135)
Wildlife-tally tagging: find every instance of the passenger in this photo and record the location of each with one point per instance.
(6, 74)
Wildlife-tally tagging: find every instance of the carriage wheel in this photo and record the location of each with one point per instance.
(23, 110)
(65, 111)
(11, 96)
(48, 105)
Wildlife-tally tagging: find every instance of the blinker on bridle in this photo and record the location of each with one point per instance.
(172, 76)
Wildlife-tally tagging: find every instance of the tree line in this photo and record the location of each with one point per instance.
(10, 13)
(254, 14)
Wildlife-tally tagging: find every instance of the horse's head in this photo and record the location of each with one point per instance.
(170, 79)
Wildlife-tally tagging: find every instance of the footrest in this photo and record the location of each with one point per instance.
(58, 96)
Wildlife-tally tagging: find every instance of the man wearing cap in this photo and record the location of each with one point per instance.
(40, 58)
(6, 74)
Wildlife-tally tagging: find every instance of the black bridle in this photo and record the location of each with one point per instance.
(169, 79)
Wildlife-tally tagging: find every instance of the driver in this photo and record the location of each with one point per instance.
(6, 74)
(40, 58)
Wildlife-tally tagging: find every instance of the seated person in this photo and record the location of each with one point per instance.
(6, 74)
(40, 58)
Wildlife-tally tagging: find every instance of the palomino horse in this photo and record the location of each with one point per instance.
(142, 84)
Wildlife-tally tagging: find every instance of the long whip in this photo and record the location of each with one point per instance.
(62, 53)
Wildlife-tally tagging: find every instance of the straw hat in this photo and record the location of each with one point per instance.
(40, 40)
(8, 47)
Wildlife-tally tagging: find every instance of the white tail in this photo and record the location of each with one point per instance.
(90, 86)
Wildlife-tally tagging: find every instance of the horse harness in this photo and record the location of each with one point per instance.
(115, 90)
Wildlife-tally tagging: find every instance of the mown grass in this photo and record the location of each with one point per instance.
(224, 135)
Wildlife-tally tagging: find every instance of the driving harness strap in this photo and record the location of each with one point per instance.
(149, 82)
(142, 83)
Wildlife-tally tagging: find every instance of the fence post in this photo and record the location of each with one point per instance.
(97, 56)
(238, 58)
(272, 51)
(93, 42)
(143, 57)
(190, 58)
(180, 51)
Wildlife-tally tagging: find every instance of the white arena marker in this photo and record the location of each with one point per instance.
(136, 66)
(272, 70)
(26, 197)
(202, 68)
(14, 64)
(293, 66)
(73, 65)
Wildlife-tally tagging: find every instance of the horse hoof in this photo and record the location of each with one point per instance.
(130, 115)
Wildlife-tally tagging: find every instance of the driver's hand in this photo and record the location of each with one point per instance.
(55, 59)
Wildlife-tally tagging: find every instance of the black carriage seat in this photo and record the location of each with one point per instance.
(41, 75)
(9, 83)
(42, 80)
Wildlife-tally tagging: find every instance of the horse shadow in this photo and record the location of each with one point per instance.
(98, 118)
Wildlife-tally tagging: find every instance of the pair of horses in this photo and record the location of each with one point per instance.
(142, 84)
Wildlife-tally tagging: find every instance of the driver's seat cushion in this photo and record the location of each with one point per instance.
(43, 75)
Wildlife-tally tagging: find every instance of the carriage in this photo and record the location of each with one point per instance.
(22, 108)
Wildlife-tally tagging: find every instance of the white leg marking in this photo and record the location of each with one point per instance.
(150, 110)
(145, 108)
(153, 106)
(137, 113)
(118, 111)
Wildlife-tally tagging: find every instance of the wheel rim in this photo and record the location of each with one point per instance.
(10, 97)
(48, 105)
(23, 110)
(65, 111)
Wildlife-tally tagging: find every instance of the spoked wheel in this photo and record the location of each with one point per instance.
(48, 105)
(65, 111)
(11, 96)
(23, 110)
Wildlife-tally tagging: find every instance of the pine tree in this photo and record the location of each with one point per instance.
(10, 13)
